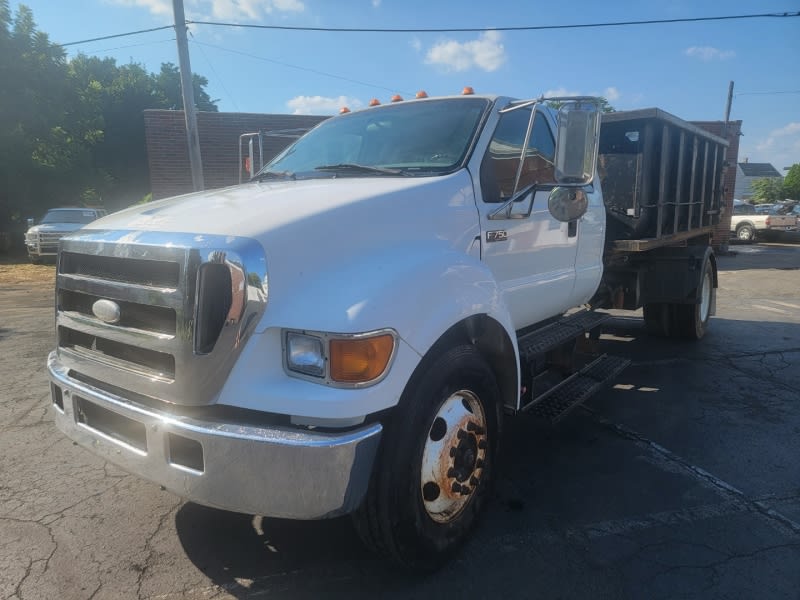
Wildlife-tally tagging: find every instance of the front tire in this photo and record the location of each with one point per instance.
(436, 463)
(746, 234)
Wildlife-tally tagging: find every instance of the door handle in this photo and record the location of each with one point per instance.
(572, 228)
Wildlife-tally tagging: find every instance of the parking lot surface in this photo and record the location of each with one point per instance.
(681, 481)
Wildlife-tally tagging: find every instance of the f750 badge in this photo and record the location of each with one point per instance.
(499, 235)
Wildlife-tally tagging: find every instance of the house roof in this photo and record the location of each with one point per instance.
(759, 170)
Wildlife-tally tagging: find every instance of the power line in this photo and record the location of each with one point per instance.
(767, 93)
(213, 70)
(512, 28)
(131, 46)
(117, 35)
(447, 30)
(307, 69)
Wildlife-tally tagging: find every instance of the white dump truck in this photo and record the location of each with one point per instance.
(345, 333)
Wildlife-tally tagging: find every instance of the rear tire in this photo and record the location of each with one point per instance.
(692, 319)
(436, 462)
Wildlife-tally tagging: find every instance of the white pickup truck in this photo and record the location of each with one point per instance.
(345, 333)
(748, 225)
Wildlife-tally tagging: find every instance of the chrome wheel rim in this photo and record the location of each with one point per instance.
(744, 234)
(454, 456)
(705, 297)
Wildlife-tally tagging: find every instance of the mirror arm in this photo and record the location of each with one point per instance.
(504, 211)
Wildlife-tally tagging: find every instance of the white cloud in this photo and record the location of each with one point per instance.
(416, 44)
(611, 94)
(376, 3)
(156, 7)
(780, 147)
(321, 105)
(708, 53)
(560, 91)
(485, 53)
(232, 10)
(786, 137)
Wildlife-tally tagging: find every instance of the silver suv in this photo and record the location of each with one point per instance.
(42, 240)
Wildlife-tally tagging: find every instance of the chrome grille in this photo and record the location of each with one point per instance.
(179, 329)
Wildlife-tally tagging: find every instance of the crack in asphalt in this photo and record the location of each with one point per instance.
(142, 569)
(772, 515)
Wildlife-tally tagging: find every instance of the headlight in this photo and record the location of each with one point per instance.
(344, 360)
(304, 354)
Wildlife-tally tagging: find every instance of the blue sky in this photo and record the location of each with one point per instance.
(683, 68)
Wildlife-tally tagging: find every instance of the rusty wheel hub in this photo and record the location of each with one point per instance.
(454, 456)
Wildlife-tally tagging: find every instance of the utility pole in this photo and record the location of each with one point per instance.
(728, 104)
(193, 140)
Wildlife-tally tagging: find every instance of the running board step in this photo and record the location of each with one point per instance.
(558, 401)
(553, 335)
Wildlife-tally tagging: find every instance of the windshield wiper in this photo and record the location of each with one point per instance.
(354, 168)
(273, 175)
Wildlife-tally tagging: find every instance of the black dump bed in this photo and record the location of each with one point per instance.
(661, 178)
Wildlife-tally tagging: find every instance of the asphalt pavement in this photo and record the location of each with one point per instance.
(681, 481)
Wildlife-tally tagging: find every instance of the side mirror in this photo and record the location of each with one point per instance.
(567, 203)
(576, 143)
(30, 223)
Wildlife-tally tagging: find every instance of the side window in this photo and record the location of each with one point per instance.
(500, 164)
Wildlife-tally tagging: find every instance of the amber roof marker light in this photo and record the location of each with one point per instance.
(467, 91)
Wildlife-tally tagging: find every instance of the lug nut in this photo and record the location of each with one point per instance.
(456, 487)
(482, 444)
(453, 451)
(451, 472)
(465, 491)
(476, 428)
(461, 434)
(479, 463)
(473, 481)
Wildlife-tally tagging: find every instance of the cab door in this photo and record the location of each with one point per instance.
(531, 254)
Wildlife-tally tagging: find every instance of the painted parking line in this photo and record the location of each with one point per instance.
(769, 308)
(787, 304)
(680, 516)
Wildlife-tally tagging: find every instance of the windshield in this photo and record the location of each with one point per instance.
(414, 138)
(69, 216)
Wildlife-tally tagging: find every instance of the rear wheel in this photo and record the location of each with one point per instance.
(692, 319)
(437, 461)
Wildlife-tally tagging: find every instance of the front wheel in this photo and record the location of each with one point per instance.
(746, 233)
(437, 461)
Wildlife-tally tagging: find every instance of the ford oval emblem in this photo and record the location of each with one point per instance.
(106, 310)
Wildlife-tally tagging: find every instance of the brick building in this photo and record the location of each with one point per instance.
(168, 157)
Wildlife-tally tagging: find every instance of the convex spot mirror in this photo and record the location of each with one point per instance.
(576, 142)
(567, 203)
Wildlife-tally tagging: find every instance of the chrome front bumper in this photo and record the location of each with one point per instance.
(269, 471)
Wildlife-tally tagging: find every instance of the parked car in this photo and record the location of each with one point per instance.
(747, 224)
(41, 240)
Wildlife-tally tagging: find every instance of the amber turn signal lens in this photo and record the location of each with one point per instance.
(361, 359)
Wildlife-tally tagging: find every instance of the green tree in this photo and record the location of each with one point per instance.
(169, 84)
(72, 131)
(767, 190)
(791, 184)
